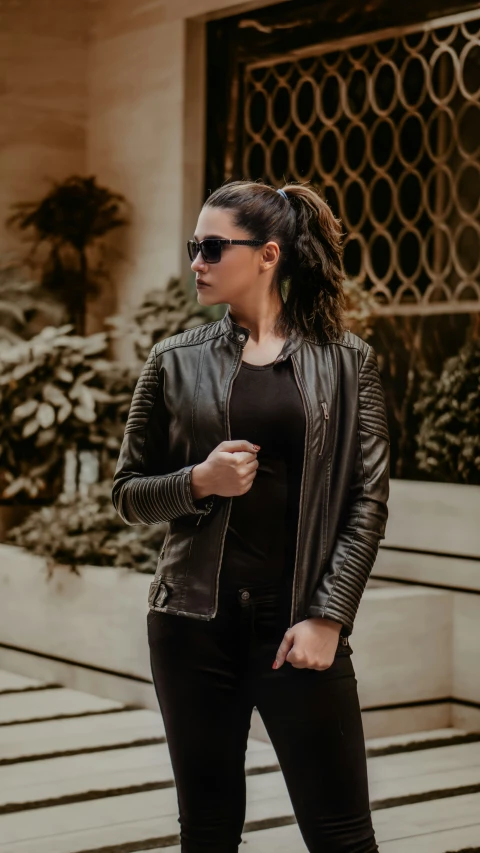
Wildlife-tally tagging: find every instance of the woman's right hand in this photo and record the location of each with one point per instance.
(229, 470)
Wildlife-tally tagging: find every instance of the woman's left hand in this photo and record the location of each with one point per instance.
(310, 644)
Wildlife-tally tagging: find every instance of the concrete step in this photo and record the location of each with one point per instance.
(27, 740)
(392, 777)
(89, 774)
(151, 816)
(10, 681)
(101, 772)
(397, 660)
(417, 826)
(35, 705)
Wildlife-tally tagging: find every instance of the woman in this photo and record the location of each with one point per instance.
(262, 439)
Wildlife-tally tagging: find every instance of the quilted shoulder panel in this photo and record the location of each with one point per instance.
(144, 395)
(372, 409)
(146, 389)
(189, 337)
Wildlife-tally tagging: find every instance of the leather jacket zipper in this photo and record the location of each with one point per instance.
(224, 531)
(324, 430)
(302, 485)
(165, 540)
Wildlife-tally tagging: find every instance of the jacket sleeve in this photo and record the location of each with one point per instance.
(143, 491)
(363, 525)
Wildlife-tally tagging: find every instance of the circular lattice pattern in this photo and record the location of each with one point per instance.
(389, 129)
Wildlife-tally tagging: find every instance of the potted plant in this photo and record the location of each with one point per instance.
(448, 438)
(88, 531)
(58, 392)
(68, 226)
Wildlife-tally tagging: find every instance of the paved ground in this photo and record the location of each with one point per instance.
(81, 774)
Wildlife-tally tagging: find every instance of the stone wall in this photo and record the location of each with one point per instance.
(43, 99)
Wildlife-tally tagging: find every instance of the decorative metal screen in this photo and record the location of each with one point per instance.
(388, 125)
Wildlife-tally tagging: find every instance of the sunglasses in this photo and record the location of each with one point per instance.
(211, 248)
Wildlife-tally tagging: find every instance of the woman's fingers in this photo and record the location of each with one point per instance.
(283, 650)
(315, 646)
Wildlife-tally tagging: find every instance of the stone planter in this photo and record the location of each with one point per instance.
(95, 616)
(87, 629)
(432, 539)
(414, 641)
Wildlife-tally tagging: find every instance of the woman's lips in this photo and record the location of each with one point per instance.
(200, 283)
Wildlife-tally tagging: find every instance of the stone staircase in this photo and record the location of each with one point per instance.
(84, 774)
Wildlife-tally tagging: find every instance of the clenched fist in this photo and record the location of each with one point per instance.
(229, 470)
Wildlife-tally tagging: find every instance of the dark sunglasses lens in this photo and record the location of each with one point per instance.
(211, 251)
(193, 249)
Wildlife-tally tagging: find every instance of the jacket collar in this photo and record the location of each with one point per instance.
(240, 335)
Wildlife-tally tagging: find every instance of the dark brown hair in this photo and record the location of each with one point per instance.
(309, 273)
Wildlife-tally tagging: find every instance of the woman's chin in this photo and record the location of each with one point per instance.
(205, 296)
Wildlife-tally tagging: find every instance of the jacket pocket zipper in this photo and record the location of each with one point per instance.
(324, 431)
(167, 536)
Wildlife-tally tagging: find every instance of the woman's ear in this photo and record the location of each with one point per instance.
(270, 255)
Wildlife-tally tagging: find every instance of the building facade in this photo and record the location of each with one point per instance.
(163, 100)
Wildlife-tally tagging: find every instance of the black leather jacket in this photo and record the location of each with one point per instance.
(179, 414)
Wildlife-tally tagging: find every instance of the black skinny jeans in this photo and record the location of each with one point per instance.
(209, 675)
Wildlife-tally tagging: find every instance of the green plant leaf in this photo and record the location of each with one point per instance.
(46, 436)
(84, 396)
(17, 486)
(79, 529)
(12, 310)
(45, 415)
(52, 394)
(100, 396)
(85, 414)
(30, 428)
(448, 437)
(23, 370)
(24, 410)
(42, 374)
(64, 375)
(64, 412)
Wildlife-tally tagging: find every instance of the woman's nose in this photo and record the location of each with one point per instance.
(199, 264)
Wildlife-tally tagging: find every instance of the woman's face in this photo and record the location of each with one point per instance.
(238, 274)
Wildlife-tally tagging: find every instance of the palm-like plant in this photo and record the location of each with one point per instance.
(72, 219)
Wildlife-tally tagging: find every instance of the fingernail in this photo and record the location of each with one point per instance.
(256, 446)
(274, 664)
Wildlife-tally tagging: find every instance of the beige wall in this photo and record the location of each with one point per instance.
(43, 96)
(146, 133)
(114, 88)
(135, 145)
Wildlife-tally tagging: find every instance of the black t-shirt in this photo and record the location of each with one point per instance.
(266, 408)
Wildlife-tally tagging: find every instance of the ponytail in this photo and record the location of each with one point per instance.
(310, 274)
